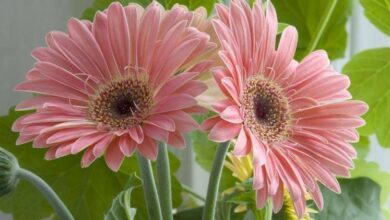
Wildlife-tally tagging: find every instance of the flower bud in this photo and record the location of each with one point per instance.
(8, 172)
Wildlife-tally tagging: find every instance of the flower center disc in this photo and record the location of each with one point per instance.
(266, 109)
(121, 104)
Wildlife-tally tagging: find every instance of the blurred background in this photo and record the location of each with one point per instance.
(24, 23)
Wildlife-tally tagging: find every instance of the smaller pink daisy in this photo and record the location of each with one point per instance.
(295, 118)
(115, 85)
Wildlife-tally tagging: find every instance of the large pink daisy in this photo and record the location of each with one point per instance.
(112, 86)
(296, 118)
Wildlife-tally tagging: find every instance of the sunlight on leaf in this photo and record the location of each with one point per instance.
(359, 200)
(306, 15)
(378, 12)
(369, 72)
(372, 171)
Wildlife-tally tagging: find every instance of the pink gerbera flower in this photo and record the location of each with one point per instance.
(296, 118)
(111, 86)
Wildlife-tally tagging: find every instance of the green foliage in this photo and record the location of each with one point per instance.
(372, 171)
(121, 208)
(281, 27)
(205, 150)
(306, 16)
(362, 147)
(359, 200)
(100, 5)
(369, 72)
(378, 12)
(87, 192)
(190, 214)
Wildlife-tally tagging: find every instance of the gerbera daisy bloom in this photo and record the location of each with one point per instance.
(111, 86)
(297, 119)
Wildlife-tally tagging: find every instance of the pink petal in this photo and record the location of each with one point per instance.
(102, 145)
(114, 156)
(334, 122)
(221, 105)
(183, 121)
(162, 121)
(83, 37)
(119, 34)
(277, 199)
(258, 177)
(224, 131)
(148, 33)
(137, 134)
(177, 140)
(232, 114)
(173, 103)
(127, 145)
(286, 50)
(88, 158)
(356, 108)
(312, 64)
(50, 87)
(259, 150)
(148, 148)
(243, 145)
(208, 124)
(86, 141)
(175, 83)
(156, 133)
(231, 88)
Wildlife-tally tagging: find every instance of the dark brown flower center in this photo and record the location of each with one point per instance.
(121, 104)
(266, 109)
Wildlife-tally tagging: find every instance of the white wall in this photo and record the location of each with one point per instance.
(23, 25)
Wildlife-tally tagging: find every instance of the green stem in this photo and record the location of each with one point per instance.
(150, 191)
(215, 178)
(164, 182)
(321, 28)
(192, 193)
(268, 210)
(62, 211)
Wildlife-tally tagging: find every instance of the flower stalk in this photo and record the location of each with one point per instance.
(62, 211)
(164, 182)
(321, 28)
(268, 210)
(11, 173)
(150, 190)
(214, 182)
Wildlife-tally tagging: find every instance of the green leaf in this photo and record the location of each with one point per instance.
(369, 72)
(100, 5)
(281, 27)
(204, 149)
(359, 200)
(362, 147)
(189, 214)
(87, 192)
(306, 15)
(372, 171)
(121, 208)
(191, 4)
(378, 12)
